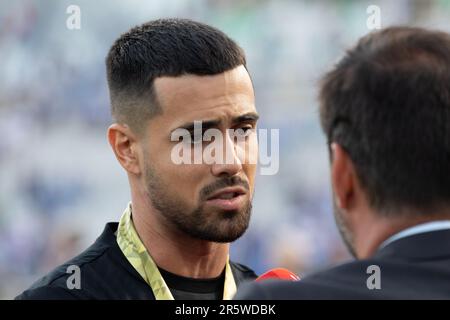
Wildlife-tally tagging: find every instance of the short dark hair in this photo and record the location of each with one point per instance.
(164, 47)
(387, 103)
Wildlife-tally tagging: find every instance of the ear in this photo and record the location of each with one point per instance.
(343, 177)
(125, 146)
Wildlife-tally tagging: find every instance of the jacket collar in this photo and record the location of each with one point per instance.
(421, 246)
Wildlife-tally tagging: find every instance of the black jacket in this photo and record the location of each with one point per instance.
(105, 274)
(414, 267)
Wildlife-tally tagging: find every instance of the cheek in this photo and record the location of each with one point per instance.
(250, 172)
(250, 165)
(183, 181)
(252, 150)
(186, 180)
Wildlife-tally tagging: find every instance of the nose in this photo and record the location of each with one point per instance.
(230, 164)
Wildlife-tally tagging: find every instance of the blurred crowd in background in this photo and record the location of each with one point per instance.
(59, 180)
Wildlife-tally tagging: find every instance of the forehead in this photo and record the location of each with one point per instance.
(193, 97)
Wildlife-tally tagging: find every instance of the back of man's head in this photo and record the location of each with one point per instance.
(387, 104)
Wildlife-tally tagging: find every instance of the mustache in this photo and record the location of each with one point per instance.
(233, 181)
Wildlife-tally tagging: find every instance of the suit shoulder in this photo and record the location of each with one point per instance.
(346, 281)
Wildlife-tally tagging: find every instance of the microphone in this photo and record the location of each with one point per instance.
(278, 273)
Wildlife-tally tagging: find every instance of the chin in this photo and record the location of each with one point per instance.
(231, 234)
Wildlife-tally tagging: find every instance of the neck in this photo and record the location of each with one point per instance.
(173, 250)
(376, 229)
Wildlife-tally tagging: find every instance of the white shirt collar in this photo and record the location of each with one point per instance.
(420, 228)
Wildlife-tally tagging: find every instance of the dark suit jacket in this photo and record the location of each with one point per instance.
(414, 267)
(105, 273)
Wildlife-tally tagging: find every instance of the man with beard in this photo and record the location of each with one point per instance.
(172, 241)
(385, 110)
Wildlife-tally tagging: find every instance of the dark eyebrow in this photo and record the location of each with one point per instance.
(207, 124)
(251, 116)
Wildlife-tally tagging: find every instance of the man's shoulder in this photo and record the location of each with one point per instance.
(375, 278)
(82, 276)
(57, 283)
(243, 269)
(342, 281)
(48, 292)
(60, 282)
(242, 273)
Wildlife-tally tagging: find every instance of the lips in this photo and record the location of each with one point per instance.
(228, 193)
(231, 198)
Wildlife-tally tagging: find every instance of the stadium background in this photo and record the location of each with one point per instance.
(59, 180)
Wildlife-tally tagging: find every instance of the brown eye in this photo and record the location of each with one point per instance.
(244, 131)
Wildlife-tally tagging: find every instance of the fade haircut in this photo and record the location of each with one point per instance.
(164, 47)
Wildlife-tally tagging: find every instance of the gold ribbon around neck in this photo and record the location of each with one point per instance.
(136, 253)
